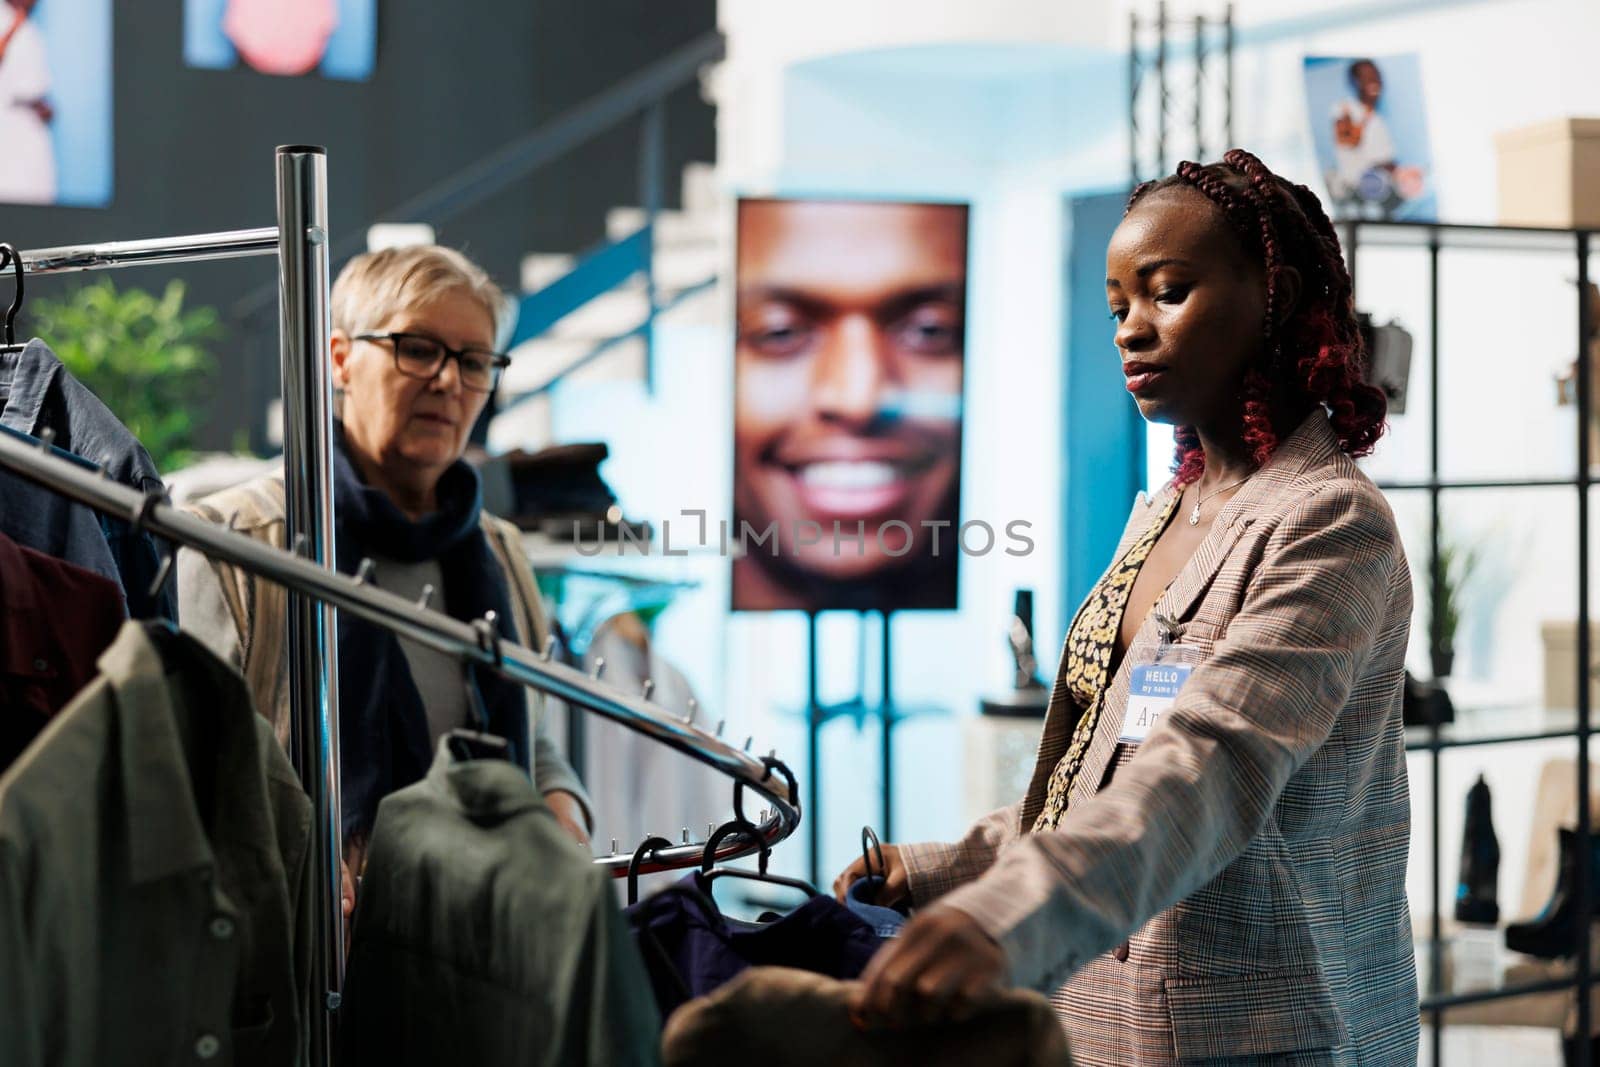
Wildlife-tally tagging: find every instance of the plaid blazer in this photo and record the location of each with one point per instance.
(1251, 853)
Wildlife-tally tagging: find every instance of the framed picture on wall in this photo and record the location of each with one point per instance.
(55, 85)
(334, 38)
(848, 381)
(1369, 124)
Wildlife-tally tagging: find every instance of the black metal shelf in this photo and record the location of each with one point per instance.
(1466, 236)
(1443, 1001)
(1429, 745)
(1507, 483)
(1433, 239)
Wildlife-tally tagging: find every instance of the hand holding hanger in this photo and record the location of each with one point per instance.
(942, 965)
(881, 861)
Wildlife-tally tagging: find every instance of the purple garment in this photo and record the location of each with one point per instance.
(690, 948)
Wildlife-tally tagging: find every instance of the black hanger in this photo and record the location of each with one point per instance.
(472, 745)
(743, 827)
(647, 847)
(477, 711)
(14, 258)
(871, 847)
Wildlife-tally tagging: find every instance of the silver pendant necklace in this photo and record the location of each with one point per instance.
(1194, 513)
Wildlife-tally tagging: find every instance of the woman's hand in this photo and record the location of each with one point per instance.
(896, 889)
(937, 969)
(347, 900)
(569, 813)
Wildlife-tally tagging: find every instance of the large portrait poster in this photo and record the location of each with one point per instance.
(55, 102)
(851, 337)
(334, 38)
(1370, 128)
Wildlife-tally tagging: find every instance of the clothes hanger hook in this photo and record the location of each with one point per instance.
(14, 259)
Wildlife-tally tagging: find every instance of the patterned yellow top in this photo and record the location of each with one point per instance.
(1090, 644)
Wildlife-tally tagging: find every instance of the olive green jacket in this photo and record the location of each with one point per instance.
(156, 885)
(484, 935)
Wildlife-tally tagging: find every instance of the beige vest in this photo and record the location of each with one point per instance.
(260, 608)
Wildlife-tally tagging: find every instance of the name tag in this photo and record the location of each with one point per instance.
(1151, 690)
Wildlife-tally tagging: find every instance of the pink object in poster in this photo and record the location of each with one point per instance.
(280, 36)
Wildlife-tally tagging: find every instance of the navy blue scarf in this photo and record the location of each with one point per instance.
(383, 728)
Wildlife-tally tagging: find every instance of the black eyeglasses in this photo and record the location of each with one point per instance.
(419, 356)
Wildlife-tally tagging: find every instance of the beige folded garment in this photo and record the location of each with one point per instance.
(778, 1017)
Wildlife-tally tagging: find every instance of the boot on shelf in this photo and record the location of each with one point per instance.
(1477, 891)
(1553, 933)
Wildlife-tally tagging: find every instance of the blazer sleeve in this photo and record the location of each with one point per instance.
(1206, 780)
(935, 868)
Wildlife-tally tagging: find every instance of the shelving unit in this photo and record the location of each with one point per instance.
(1435, 239)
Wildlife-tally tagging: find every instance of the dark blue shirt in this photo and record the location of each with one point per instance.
(43, 394)
(861, 899)
(48, 522)
(690, 948)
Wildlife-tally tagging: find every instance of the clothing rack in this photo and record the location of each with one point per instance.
(477, 643)
(300, 242)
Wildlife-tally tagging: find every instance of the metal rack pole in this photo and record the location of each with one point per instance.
(406, 619)
(1435, 640)
(302, 184)
(1133, 101)
(232, 244)
(1227, 78)
(1161, 88)
(1199, 88)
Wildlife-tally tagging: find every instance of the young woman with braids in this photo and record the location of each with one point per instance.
(1227, 884)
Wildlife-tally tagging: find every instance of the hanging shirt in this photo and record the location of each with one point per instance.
(155, 874)
(55, 620)
(485, 934)
(28, 161)
(47, 522)
(43, 394)
(861, 899)
(690, 948)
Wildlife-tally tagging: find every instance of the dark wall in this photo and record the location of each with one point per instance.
(194, 148)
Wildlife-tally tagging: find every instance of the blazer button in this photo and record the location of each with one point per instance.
(1121, 953)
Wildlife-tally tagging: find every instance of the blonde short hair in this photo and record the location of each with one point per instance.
(376, 286)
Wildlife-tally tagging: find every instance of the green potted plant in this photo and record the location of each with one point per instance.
(1457, 562)
(145, 356)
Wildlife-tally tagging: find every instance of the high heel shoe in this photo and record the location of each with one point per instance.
(1553, 933)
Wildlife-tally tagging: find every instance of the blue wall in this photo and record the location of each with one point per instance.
(1102, 433)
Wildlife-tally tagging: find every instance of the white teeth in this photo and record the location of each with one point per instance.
(842, 475)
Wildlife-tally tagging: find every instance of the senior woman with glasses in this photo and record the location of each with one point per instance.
(414, 363)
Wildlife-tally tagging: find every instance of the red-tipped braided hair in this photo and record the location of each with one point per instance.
(1315, 356)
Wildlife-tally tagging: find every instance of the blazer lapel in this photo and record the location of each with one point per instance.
(1058, 725)
(1310, 444)
(1191, 581)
